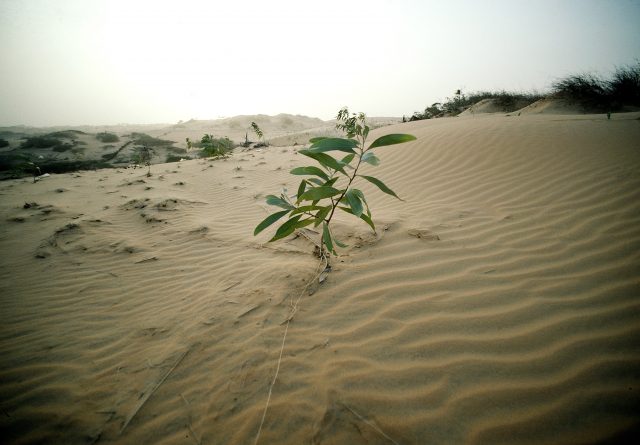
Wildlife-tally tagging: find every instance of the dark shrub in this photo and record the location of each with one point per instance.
(107, 137)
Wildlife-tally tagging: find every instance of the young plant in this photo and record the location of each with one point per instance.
(330, 186)
(215, 147)
(143, 156)
(260, 134)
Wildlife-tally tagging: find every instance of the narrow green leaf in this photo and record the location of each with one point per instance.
(314, 140)
(333, 144)
(370, 158)
(364, 217)
(326, 238)
(347, 159)
(330, 182)
(321, 215)
(268, 221)
(301, 188)
(324, 159)
(340, 244)
(286, 229)
(354, 202)
(381, 186)
(275, 201)
(391, 139)
(311, 170)
(304, 209)
(318, 193)
(316, 181)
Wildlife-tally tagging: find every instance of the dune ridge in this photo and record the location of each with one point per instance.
(497, 304)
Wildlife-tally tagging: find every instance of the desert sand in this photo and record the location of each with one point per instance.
(497, 304)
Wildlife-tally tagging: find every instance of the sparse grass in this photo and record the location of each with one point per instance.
(586, 90)
(507, 100)
(595, 94)
(591, 92)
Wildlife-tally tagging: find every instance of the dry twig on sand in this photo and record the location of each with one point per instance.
(148, 394)
(287, 322)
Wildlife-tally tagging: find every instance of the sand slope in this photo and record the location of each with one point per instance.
(498, 304)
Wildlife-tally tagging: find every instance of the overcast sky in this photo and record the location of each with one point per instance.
(72, 62)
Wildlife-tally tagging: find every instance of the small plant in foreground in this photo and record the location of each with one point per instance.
(324, 191)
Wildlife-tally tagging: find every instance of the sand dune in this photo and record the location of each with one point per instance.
(496, 305)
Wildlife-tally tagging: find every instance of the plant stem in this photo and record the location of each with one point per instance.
(337, 201)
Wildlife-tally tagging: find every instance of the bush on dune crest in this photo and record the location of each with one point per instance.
(508, 101)
(593, 93)
(589, 91)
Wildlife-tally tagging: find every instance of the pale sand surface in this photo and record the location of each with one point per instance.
(498, 305)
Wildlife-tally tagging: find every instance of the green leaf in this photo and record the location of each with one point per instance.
(303, 209)
(330, 182)
(302, 187)
(316, 181)
(318, 193)
(286, 229)
(314, 140)
(326, 238)
(381, 186)
(347, 159)
(365, 218)
(370, 158)
(340, 244)
(354, 202)
(333, 144)
(321, 215)
(311, 170)
(268, 221)
(275, 201)
(324, 159)
(391, 139)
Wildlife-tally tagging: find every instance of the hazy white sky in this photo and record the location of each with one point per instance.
(103, 62)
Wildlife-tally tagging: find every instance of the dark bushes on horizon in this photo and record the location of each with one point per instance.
(144, 139)
(589, 91)
(107, 137)
(453, 106)
(595, 94)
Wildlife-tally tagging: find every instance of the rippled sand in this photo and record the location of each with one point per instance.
(499, 304)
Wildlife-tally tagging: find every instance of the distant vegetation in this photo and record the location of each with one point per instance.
(4, 143)
(596, 94)
(143, 139)
(176, 158)
(507, 101)
(107, 137)
(58, 141)
(213, 147)
(589, 91)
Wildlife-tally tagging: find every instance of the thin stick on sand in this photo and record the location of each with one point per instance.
(371, 424)
(146, 396)
(294, 309)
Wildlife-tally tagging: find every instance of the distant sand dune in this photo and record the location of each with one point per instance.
(497, 305)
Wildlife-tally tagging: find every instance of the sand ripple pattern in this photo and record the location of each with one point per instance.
(497, 305)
